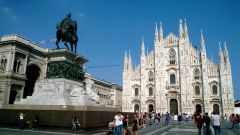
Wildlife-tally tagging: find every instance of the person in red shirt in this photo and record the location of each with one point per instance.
(199, 122)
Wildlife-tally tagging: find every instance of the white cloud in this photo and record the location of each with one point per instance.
(52, 41)
(5, 10)
(15, 18)
(46, 42)
(43, 42)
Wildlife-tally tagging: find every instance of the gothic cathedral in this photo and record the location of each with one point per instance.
(177, 78)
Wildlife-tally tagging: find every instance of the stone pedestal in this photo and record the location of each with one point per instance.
(65, 64)
(60, 91)
(64, 84)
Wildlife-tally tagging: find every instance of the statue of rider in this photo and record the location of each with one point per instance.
(67, 31)
(66, 21)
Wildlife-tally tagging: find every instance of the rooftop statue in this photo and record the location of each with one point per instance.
(67, 33)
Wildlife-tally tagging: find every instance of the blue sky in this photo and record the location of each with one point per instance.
(108, 28)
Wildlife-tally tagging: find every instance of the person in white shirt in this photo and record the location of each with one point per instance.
(21, 120)
(216, 123)
(175, 118)
(118, 124)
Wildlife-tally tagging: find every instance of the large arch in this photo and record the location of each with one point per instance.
(32, 74)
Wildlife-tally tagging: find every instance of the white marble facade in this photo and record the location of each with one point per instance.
(176, 77)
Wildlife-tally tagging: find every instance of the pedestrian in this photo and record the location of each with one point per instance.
(216, 119)
(158, 117)
(118, 124)
(21, 120)
(36, 122)
(180, 120)
(206, 124)
(166, 118)
(135, 125)
(198, 122)
(125, 125)
(75, 124)
(233, 120)
(175, 118)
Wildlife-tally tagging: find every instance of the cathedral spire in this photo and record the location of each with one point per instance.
(125, 57)
(220, 53)
(180, 29)
(226, 56)
(185, 29)
(160, 33)
(143, 47)
(202, 42)
(156, 40)
(126, 61)
(129, 60)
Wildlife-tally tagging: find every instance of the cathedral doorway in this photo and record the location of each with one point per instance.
(216, 108)
(198, 108)
(173, 106)
(136, 108)
(32, 74)
(150, 108)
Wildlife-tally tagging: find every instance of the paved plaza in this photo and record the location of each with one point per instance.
(156, 129)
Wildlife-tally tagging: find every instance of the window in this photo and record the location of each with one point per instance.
(136, 92)
(150, 91)
(196, 74)
(3, 64)
(150, 76)
(197, 90)
(172, 57)
(172, 79)
(214, 90)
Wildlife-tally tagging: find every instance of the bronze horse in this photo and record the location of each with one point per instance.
(67, 33)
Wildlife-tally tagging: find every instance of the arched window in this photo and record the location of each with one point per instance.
(3, 64)
(150, 76)
(150, 91)
(172, 79)
(172, 57)
(197, 90)
(214, 90)
(136, 92)
(196, 74)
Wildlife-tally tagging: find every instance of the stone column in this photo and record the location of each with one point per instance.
(167, 107)
(11, 59)
(25, 64)
(7, 93)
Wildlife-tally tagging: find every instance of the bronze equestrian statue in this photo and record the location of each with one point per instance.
(67, 32)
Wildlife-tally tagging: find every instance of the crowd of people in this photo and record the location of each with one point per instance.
(203, 122)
